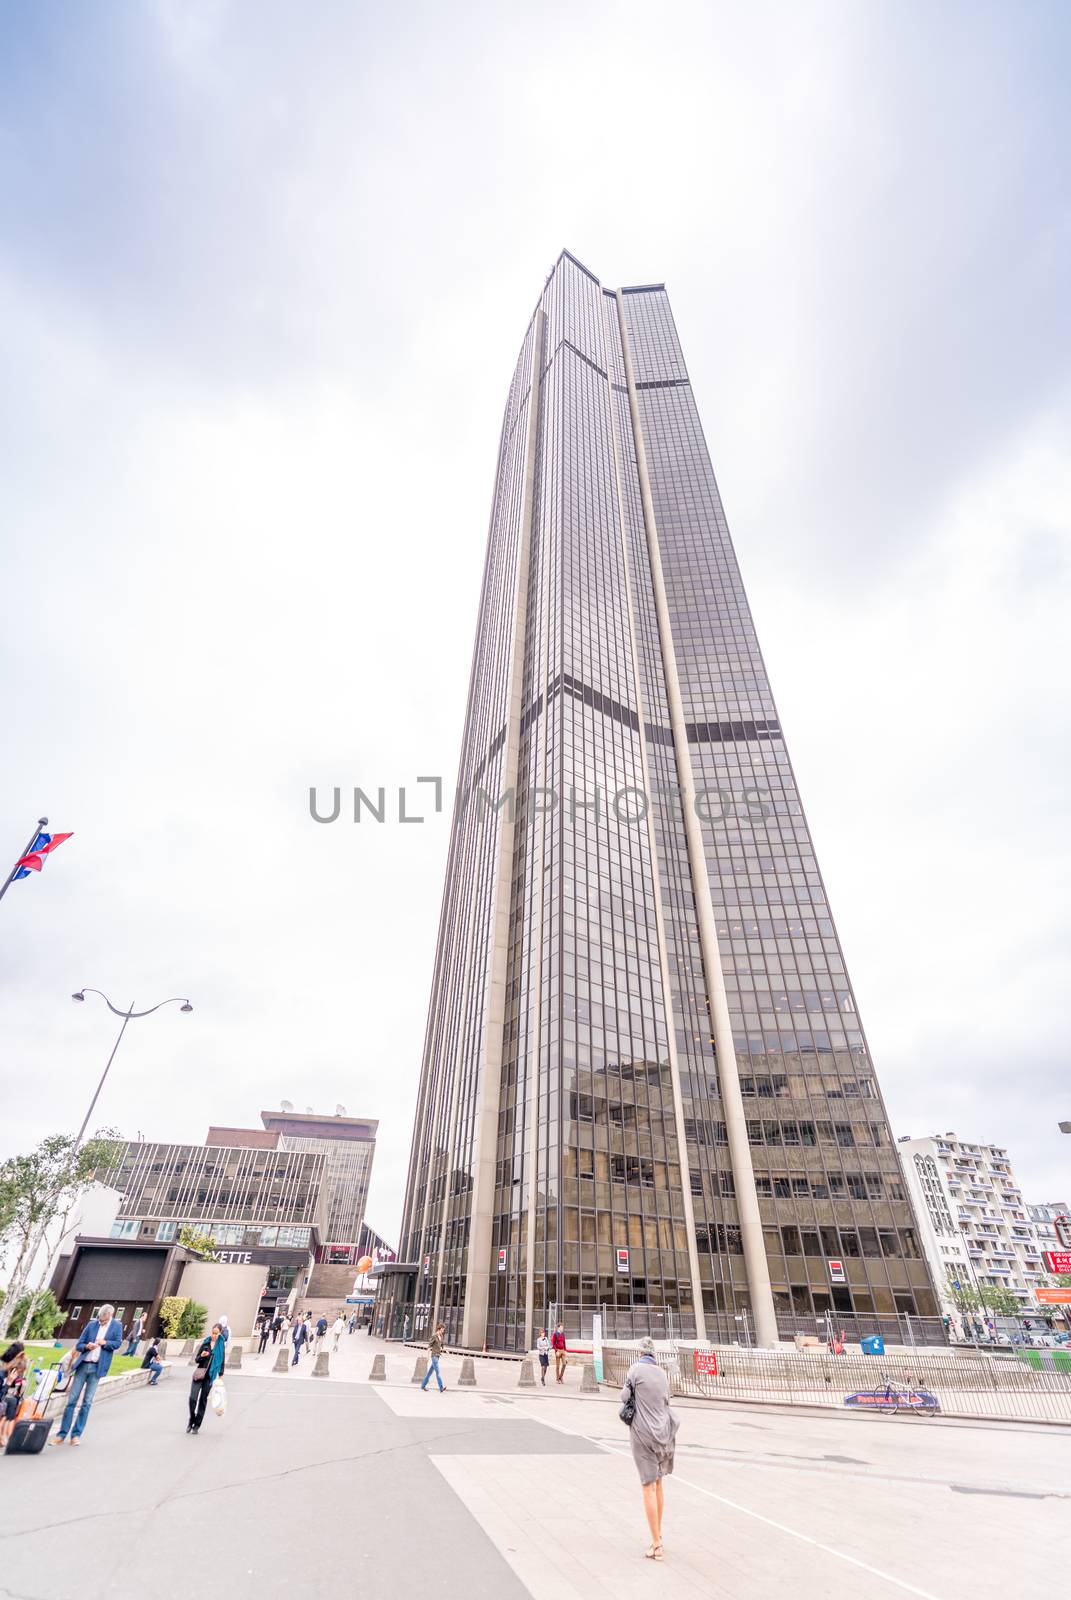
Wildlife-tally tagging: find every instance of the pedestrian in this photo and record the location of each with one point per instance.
(321, 1330)
(337, 1329)
(277, 1323)
(151, 1359)
(224, 1328)
(208, 1361)
(12, 1387)
(557, 1340)
(299, 1336)
(543, 1352)
(435, 1350)
(137, 1333)
(101, 1338)
(353, 1322)
(653, 1436)
(265, 1330)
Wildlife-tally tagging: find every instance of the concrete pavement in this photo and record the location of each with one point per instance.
(308, 1484)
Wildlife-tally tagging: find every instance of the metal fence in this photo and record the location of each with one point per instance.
(1033, 1386)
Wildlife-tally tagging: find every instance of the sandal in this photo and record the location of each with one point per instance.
(654, 1553)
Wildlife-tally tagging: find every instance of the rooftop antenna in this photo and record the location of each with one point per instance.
(288, 1105)
(340, 1111)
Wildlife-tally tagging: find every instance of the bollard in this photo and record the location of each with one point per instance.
(282, 1359)
(189, 1347)
(234, 1355)
(319, 1367)
(527, 1377)
(467, 1379)
(587, 1379)
(420, 1370)
(378, 1373)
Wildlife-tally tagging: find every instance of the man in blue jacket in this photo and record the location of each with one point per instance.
(102, 1337)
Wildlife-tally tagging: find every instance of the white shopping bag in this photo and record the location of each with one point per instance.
(217, 1397)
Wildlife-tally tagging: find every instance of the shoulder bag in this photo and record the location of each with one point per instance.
(628, 1410)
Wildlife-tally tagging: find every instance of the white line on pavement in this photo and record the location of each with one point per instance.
(805, 1538)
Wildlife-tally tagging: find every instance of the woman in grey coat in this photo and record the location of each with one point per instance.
(654, 1434)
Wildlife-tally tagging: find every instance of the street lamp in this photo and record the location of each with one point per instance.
(127, 1016)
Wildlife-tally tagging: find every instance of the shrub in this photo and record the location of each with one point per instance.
(172, 1310)
(47, 1316)
(192, 1321)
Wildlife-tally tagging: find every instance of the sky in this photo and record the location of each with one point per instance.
(264, 272)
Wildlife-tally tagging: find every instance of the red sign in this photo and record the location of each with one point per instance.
(622, 1260)
(706, 1363)
(1058, 1261)
(836, 1272)
(502, 1261)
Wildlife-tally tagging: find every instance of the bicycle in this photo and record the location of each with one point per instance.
(892, 1397)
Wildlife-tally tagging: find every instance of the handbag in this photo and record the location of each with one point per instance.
(628, 1410)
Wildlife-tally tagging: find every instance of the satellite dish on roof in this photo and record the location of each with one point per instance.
(288, 1105)
(340, 1111)
(308, 1111)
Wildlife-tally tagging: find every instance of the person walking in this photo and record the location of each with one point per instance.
(353, 1322)
(543, 1352)
(136, 1334)
(299, 1336)
(321, 1330)
(338, 1327)
(12, 1387)
(557, 1340)
(208, 1361)
(151, 1359)
(265, 1330)
(100, 1340)
(435, 1350)
(224, 1328)
(276, 1328)
(653, 1436)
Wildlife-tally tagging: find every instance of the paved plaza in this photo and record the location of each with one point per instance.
(322, 1487)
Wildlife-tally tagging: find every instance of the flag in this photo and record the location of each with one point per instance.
(34, 859)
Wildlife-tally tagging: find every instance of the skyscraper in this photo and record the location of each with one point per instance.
(645, 1087)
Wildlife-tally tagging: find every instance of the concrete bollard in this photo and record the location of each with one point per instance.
(234, 1357)
(420, 1370)
(587, 1379)
(189, 1347)
(282, 1359)
(320, 1367)
(378, 1373)
(467, 1379)
(527, 1377)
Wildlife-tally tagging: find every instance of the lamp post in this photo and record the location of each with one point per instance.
(128, 1015)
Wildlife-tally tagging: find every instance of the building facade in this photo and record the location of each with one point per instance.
(348, 1145)
(1043, 1221)
(972, 1188)
(645, 1090)
(261, 1206)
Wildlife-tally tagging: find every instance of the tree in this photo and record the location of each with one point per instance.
(1001, 1301)
(172, 1307)
(964, 1296)
(36, 1189)
(42, 1321)
(192, 1321)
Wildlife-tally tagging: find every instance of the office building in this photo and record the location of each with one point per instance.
(645, 1092)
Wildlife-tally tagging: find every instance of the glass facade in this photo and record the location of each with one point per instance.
(645, 1089)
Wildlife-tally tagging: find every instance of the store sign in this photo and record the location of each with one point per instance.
(1053, 1297)
(502, 1256)
(836, 1272)
(232, 1258)
(1058, 1261)
(706, 1363)
(622, 1260)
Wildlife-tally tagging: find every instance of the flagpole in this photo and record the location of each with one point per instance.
(42, 822)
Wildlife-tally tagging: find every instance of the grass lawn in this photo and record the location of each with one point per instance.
(46, 1355)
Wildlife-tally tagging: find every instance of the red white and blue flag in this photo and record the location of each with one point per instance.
(34, 859)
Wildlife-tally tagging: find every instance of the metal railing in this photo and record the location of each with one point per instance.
(966, 1383)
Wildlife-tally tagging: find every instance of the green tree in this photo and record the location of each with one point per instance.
(171, 1309)
(45, 1317)
(964, 1296)
(35, 1191)
(1000, 1301)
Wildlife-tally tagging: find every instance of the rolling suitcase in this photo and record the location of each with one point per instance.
(28, 1436)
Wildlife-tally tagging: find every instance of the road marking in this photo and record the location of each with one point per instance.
(805, 1538)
